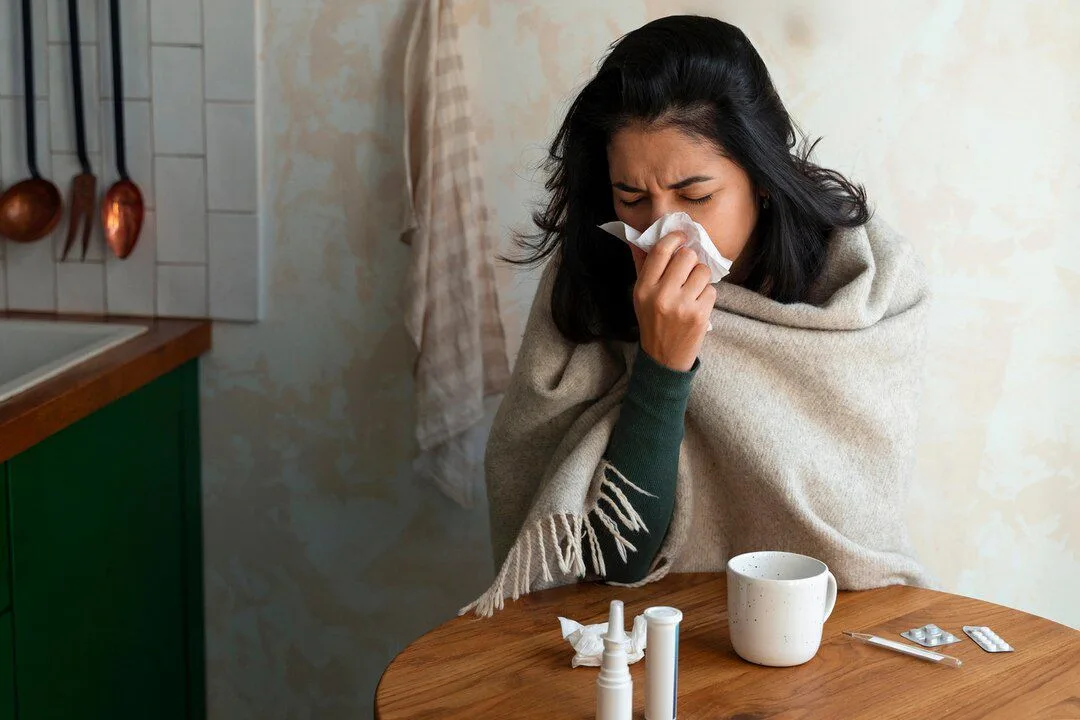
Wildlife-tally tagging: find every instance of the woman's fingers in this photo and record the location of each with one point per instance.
(708, 297)
(679, 268)
(700, 277)
(658, 258)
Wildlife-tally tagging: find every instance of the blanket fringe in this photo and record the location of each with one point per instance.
(565, 534)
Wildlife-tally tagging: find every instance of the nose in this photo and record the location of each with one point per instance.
(661, 206)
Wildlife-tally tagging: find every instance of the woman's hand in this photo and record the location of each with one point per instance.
(673, 300)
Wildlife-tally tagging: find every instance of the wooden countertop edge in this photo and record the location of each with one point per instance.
(42, 411)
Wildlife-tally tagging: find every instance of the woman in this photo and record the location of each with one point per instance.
(634, 440)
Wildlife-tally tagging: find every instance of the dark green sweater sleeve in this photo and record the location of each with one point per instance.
(644, 448)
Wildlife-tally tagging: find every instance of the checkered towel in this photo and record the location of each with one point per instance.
(452, 311)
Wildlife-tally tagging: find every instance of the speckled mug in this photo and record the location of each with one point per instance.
(777, 605)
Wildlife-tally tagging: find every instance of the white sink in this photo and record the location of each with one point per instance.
(32, 351)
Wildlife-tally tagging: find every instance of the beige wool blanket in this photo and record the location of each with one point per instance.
(799, 434)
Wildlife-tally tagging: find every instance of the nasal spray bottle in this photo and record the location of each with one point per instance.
(614, 688)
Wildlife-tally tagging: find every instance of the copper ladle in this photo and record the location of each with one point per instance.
(122, 210)
(29, 210)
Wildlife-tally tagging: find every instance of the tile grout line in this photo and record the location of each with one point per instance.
(229, 103)
(206, 160)
(154, 310)
(48, 125)
(98, 198)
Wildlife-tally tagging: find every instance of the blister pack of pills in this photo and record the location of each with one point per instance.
(987, 639)
(930, 636)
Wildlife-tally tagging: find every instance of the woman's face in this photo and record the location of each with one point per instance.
(659, 171)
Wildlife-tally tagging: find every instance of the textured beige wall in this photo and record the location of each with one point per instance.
(324, 557)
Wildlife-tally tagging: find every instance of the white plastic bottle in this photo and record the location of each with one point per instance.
(614, 688)
(661, 662)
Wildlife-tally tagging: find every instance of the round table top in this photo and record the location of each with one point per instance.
(517, 665)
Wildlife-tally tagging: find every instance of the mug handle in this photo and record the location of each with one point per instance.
(830, 596)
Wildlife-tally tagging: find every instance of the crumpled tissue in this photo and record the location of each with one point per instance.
(588, 641)
(696, 239)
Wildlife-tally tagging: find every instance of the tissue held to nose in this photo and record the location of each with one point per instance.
(697, 239)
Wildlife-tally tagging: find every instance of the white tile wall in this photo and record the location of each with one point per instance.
(230, 160)
(61, 115)
(178, 100)
(181, 222)
(135, 42)
(176, 22)
(189, 85)
(80, 288)
(11, 73)
(234, 279)
(181, 290)
(140, 147)
(129, 283)
(31, 276)
(58, 21)
(230, 50)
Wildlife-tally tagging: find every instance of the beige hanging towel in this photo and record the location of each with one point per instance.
(452, 311)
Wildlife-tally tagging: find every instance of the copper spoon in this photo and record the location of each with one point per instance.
(122, 210)
(29, 210)
(83, 185)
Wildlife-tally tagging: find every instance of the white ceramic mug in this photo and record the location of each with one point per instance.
(777, 605)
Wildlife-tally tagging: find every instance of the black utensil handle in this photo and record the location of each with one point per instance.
(76, 83)
(28, 89)
(118, 89)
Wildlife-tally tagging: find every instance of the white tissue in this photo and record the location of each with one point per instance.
(588, 641)
(696, 239)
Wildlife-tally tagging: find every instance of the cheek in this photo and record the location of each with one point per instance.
(638, 217)
(729, 224)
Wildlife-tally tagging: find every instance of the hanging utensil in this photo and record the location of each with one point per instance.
(122, 211)
(83, 185)
(29, 210)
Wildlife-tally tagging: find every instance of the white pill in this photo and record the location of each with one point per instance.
(919, 633)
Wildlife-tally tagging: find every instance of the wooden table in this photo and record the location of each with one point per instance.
(516, 665)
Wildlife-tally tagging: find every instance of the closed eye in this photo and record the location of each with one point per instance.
(695, 201)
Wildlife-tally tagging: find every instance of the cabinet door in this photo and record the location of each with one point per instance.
(97, 564)
(7, 666)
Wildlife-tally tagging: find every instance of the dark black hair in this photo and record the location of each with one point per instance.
(703, 76)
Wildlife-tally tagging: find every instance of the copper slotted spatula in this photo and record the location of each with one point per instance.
(122, 210)
(84, 185)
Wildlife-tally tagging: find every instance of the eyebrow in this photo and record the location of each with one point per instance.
(687, 182)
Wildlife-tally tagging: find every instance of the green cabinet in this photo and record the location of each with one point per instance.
(104, 547)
